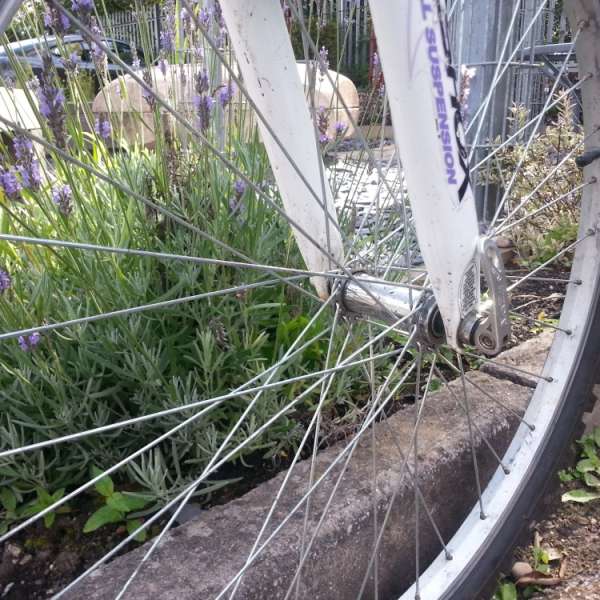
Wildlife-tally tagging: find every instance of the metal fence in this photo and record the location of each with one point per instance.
(131, 26)
(352, 15)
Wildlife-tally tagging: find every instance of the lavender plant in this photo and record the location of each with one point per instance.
(59, 382)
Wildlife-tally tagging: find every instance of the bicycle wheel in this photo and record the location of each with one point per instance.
(161, 250)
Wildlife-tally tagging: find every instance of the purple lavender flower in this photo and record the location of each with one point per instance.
(226, 94)
(146, 93)
(203, 102)
(218, 14)
(10, 183)
(31, 176)
(236, 203)
(23, 148)
(136, 63)
(29, 343)
(239, 187)
(52, 100)
(98, 53)
(167, 35)
(221, 37)
(5, 281)
(103, 128)
(83, 10)
(204, 105)
(323, 60)
(186, 19)
(323, 125)
(27, 163)
(72, 62)
(199, 53)
(163, 65)
(82, 7)
(55, 21)
(204, 17)
(375, 60)
(340, 128)
(202, 82)
(62, 196)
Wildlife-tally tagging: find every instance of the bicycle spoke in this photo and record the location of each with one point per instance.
(402, 471)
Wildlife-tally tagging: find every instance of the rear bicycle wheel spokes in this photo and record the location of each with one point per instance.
(159, 327)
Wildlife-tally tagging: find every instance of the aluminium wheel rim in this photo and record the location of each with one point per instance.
(582, 295)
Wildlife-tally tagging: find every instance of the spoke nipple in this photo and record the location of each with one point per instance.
(531, 427)
(506, 470)
(568, 332)
(449, 556)
(578, 282)
(593, 180)
(482, 516)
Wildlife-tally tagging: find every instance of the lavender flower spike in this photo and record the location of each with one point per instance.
(27, 163)
(62, 196)
(167, 35)
(323, 61)
(5, 281)
(103, 128)
(340, 128)
(226, 94)
(204, 105)
(10, 183)
(240, 187)
(29, 343)
(83, 9)
(52, 100)
(55, 21)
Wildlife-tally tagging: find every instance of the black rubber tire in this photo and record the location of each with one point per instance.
(480, 575)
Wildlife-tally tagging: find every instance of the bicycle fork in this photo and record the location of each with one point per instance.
(421, 88)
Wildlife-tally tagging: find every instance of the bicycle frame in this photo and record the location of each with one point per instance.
(423, 99)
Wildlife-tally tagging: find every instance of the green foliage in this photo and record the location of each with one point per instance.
(506, 591)
(540, 560)
(13, 508)
(586, 471)
(324, 36)
(540, 236)
(116, 508)
(91, 375)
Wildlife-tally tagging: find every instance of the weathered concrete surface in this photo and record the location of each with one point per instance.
(200, 557)
(529, 356)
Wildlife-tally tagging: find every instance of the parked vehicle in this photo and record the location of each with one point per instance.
(29, 54)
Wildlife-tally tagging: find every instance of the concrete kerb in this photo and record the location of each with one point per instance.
(529, 356)
(198, 558)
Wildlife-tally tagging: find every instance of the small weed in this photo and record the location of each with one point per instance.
(586, 471)
(116, 508)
